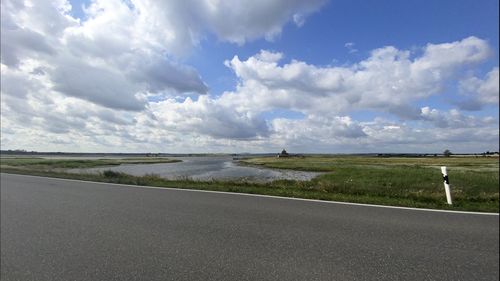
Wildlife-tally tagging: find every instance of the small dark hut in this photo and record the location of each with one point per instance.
(283, 154)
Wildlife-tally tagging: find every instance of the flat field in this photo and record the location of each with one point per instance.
(411, 182)
(51, 164)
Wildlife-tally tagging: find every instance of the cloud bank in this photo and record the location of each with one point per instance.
(116, 81)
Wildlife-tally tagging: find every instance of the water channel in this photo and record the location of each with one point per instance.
(206, 168)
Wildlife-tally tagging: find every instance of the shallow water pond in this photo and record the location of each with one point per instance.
(206, 168)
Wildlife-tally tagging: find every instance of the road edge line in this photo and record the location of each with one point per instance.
(261, 195)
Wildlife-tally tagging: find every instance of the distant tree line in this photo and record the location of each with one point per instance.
(446, 153)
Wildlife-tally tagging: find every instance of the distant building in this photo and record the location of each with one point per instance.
(283, 154)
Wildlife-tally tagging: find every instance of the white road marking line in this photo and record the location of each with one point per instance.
(261, 195)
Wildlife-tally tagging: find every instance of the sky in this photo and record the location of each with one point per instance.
(239, 76)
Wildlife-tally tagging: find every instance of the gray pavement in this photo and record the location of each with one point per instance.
(67, 230)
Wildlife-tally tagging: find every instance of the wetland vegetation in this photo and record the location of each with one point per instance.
(404, 181)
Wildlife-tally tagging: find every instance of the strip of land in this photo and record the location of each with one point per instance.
(409, 182)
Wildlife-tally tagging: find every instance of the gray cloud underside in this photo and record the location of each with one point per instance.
(70, 84)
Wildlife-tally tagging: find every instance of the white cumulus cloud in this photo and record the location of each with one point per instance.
(389, 80)
(115, 81)
(480, 92)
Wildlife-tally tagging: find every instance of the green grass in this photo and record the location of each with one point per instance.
(331, 163)
(51, 164)
(411, 182)
(474, 181)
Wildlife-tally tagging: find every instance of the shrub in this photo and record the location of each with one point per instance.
(111, 174)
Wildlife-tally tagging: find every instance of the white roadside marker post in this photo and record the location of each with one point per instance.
(446, 184)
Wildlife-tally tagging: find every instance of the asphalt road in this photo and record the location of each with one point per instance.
(67, 230)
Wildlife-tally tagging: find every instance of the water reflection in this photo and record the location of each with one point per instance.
(206, 168)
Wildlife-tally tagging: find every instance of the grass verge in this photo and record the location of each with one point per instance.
(405, 181)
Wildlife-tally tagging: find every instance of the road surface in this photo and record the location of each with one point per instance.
(55, 229)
